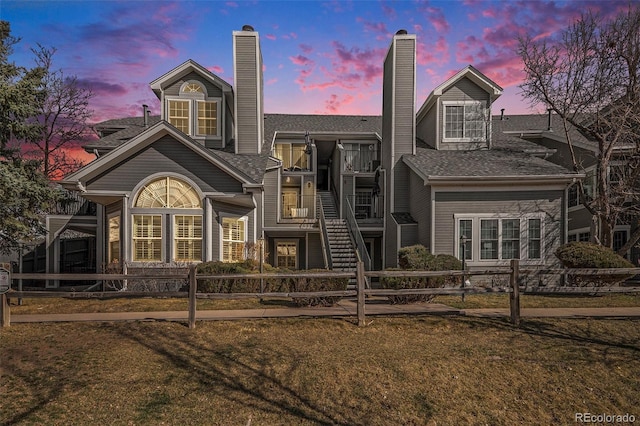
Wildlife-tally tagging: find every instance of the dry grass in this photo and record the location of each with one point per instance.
(72, 306)
(551, 301)
(69, 306)
(412, 371)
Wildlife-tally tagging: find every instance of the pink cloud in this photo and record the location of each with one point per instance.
(270, 36)
(334, 103)
(216, 69)
(436, 18)
(389, 12)
(231, 4)
(301, 60)
(271, 81)
(306, 48)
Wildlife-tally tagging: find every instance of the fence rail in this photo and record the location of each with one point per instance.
(191, 278)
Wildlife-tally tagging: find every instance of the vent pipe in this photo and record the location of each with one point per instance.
(145, 115)
(247, 28)
(549, 127)
(502, 114)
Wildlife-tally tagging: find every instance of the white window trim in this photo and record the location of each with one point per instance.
(163, 236)
(287, 241)
(475, 238)
(221, 217)
(193, 99)
(174, 238)
(445, 104)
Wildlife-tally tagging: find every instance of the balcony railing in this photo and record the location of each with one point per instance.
(363, 160)
(367, 206)
(298, 206)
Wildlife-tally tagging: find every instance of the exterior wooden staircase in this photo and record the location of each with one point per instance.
(341, 248)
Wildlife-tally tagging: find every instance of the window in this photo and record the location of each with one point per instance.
(233, 239)
(499, 237)
(207, 118)
(167, 213)
(464, 122)
(290, 203)
(358, 157)
(179, 115)
(114, 239)
(286, 254)
(510, 239)
(619, 239)
(193, 112)
(535, 239)
(573, 197)
(465, 227)
(292, 155)
(362, 207)
(147, 238)
(188, 238)
(489, 239)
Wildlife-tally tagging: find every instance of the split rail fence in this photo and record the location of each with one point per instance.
(360, 292)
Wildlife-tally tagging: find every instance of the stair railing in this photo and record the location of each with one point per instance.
(361, 248)
(324, 237)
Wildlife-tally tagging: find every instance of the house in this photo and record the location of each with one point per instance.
(547, 132)
(215, 177)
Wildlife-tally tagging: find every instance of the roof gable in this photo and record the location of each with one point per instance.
(469, 72)
(159, 84)
(139, 143)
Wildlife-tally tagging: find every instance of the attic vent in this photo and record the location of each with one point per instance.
(363, 119)
(401, 32)
(247, 28)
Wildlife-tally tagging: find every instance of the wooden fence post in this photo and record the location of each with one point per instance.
(193, 287)
(514, 296)
(360, 281)
(5, 311)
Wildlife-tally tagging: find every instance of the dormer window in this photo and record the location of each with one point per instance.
(464, 122)
(193, 112)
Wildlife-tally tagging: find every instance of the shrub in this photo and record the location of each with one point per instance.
(295, 283)
(418, 258)
(589, 255)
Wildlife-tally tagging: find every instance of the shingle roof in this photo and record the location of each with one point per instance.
(333, 124)
(131, 127)
(481, 163)
(538, 123)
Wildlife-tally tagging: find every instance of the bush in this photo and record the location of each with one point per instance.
(292, 284)
(418, 258)
(589, 255)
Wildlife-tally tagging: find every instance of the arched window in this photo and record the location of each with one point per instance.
(157, 216)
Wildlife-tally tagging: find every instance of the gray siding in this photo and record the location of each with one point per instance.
(409, 235)
(314, 251)
(391, 242)
(165, 155)
(404, 97)
(248, 83)
(213, 91)
(348, 189)
(271, 198)
(447, 204)
(420, 208)
(426, 129)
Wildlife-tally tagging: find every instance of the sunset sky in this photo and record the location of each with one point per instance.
(321, 57)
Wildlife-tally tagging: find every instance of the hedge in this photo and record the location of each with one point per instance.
(591, 256)
(418, 258)
(292, 284)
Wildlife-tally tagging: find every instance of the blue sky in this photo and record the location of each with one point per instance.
(321, 57)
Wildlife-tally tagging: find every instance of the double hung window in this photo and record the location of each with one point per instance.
(234, 232)
(193, 113)
(464, 121)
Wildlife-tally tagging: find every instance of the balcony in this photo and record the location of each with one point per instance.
(364, 159)
(294, 206)
(368, 209)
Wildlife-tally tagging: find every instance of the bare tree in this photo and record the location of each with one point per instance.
(63, 116)
(590, 77)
